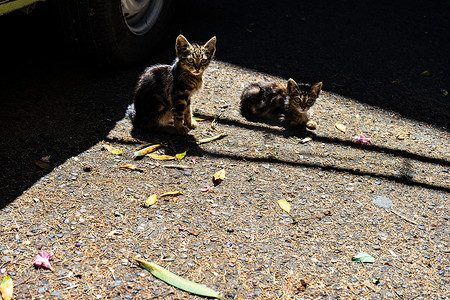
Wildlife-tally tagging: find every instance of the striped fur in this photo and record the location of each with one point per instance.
(162, 100)
(271, 101)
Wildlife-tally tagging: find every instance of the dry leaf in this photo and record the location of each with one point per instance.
(161, 157)
(45, 159)
(286, 206)
(340, 127)
(173, 193)
(218, 177)
(111, 149)
(43, 165)
(146, 150)
(130, 167)
(181, 155)
(305, 140)
(207, 140)
(150, 200)
(177, 281)
(6, 288)
(426, 73)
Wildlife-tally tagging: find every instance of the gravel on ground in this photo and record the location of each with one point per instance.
(388, 198)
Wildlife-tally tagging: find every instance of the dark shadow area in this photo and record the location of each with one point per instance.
(54, 102)
(372, 51)
(57, 103)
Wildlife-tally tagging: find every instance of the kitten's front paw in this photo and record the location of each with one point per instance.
(193, 124)
(311, 125)
(183, 130)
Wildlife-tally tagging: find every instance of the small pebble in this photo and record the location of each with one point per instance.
(6, 259)
(381, 201)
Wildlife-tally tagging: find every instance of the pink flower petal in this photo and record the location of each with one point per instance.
(43, 259)
(363, 140)
(181, 228)
(205, 189)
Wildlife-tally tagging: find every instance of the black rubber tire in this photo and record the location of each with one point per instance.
(97, 27)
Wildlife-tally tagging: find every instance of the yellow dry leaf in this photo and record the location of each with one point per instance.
(181, 155)
(174, 193)
(426, 73)
(161, 157)
(150, 200)
(6, 288)
(286, 206)
(146, 150)
(130, 167)
(111, 149)
(340, 126)
(207, 140)
(219, 176)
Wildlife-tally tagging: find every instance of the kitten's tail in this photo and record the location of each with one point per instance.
(250, 98)
(131, 112)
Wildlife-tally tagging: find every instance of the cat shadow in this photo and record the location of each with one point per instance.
(174, 143)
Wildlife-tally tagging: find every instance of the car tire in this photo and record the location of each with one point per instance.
(100, 27)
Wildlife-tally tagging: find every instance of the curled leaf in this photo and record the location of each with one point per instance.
(426, 73)
(150, 201)
(207, 140)
(45, 159)
(177, 281)
(111, 149)
(161, 157)
(219, 176)
(286, 206)
(146, 150)
(43, 165)
(130, 167)
(174, 193)
(43, 260)
(6, 288)
(181, 155)
(340, 127)
(363, 257)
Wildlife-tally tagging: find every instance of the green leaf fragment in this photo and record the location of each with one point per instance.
(375, 280)
(363, 257)
(177, 281)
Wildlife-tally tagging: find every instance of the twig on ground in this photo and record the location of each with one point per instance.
(403, 217)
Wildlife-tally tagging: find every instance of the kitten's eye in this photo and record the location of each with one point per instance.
(204, 61)
(190, 60)
(297, 100)
(310, 102)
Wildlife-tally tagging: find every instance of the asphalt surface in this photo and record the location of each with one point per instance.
(372, 52)
(370, 57)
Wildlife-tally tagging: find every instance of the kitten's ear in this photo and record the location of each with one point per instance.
(291, 86)
(316, 88)
(181, 45)
(211, 45)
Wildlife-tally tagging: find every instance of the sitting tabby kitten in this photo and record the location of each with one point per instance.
(272, 100)
(162, 100)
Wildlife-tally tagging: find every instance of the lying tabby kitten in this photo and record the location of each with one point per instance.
(272, 101)
(162, 100)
